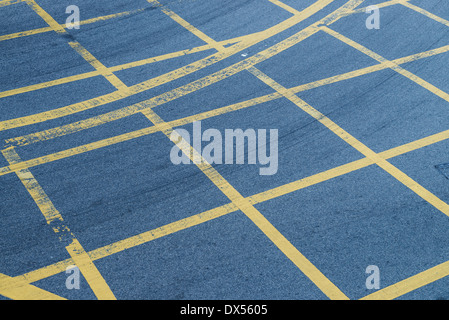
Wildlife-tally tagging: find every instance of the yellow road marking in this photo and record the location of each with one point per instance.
(111, 77)
(391, 64)
(410, 284)
(56, 222)
(356, 144)
(426, 13)
(17, 289)
(176, 74)
(285, 7)
(5, 3)
(230, 208)
(188, 26)
(53, 133)
(83, 22)
(325, 285)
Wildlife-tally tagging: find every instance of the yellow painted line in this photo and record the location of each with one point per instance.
(5, 3)
(25, 33)
(379, 5)
(193, 86)
(116, 68)
(356, 144)
(53, 133)
(309, 270)
(56, 222)
(285, 7)
(395, 67)
(426, 13)
(188, 26)
(176, 74)
(230, 208)
(83, 22)
(410, 284)
(111, 77)
(17, 289)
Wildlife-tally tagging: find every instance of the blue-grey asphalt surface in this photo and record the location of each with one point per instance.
(342, 225)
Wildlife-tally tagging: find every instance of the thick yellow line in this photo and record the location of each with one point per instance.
(18, 289)
(393, 66)
(356, 144)
(325, 285)
(176, 74)
(111, 77)
(56, 222)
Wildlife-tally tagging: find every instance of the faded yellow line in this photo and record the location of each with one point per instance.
(111, 77)
(52, 133)
(176, 74)
(56, 222)
(426, 13)
(395, 67)
(188, 26)
(17, 289)
(323, 283)
(356, 144)
(192, 221)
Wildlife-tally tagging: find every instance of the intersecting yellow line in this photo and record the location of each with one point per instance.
(440, 93)
(356, 144)
(325, 285)
(56, 132)
(17, 289)
(82, 22)
(198, 65)
(110, 76)
(56, 222)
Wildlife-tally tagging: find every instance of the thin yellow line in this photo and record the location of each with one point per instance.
(253, 214)
(111, 77)
(426, 13)
(188, 26)
(395, 67)
(56, 222)
(229, 208)
(18, 289)
(83, 22)
(356, 144)
(53, 133)
(176, 74)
